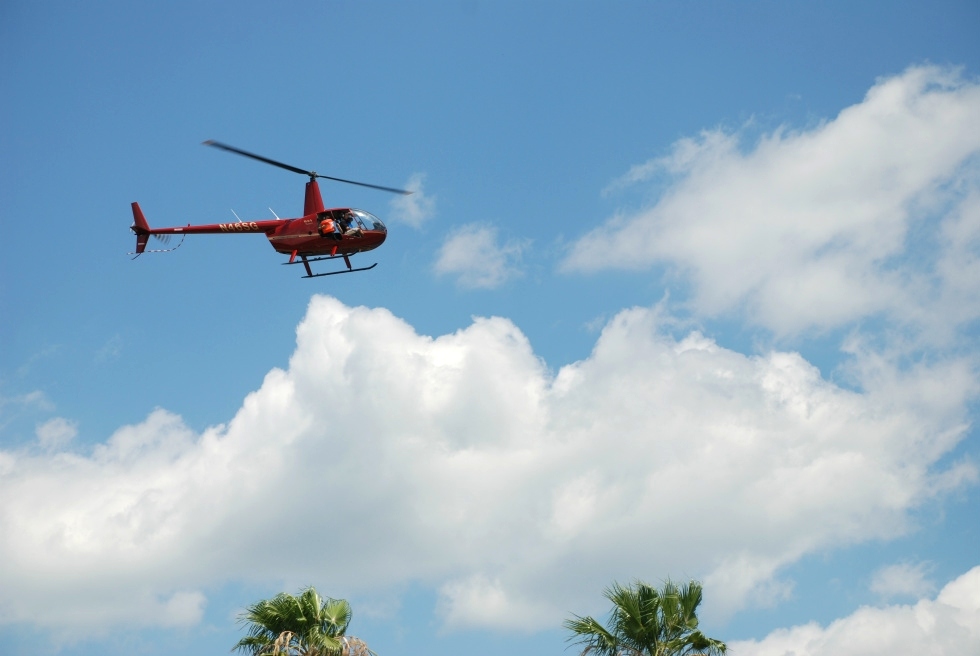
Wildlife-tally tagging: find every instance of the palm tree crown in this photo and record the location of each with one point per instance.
(303, 625)
(647, 622)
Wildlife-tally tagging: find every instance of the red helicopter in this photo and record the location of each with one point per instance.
(320, 234)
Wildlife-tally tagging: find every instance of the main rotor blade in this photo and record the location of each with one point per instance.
(232, 149)
(295, 169)
(403, 192)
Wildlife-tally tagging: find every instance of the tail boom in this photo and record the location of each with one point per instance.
(143, 230)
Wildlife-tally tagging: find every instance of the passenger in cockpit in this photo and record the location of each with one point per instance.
(349, 227)
(327, 227)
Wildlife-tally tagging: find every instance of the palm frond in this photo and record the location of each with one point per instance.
(646, 621)
(699, 643)
(355, 647)
(337, 614)
(592, 635)
(302, 625)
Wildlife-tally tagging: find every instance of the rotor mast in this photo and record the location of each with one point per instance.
(314, 202)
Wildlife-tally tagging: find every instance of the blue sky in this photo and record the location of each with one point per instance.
(685, 290)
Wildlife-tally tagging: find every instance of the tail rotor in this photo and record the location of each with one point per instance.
(142, 230)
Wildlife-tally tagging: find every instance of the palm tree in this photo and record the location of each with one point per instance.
(304, 625)
(647, 622)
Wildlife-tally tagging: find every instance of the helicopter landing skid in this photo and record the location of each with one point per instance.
(305, 261)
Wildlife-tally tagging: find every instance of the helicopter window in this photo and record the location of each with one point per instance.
(367, 221)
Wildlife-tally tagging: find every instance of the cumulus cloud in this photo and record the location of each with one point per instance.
(56, 433)
(474, 255)
(460, 462)
(19, 405)
(478, 601)
(902, 580)
(815, 229)
(414, 209)
(948, 624)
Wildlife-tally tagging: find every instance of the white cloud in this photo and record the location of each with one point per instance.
(472, 254)
(35, 400)
(461, 463)
(476, 601)
(950, 624)
(12, 407)
(183, 609)
(56, 433)
(902, 580)
(110, 350)
(414, 209)
(876, 212)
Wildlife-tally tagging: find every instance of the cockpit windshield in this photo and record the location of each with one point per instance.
(368, 221)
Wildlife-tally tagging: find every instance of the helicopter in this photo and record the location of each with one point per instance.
(320, 234)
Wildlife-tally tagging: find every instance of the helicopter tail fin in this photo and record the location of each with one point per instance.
(141, 228)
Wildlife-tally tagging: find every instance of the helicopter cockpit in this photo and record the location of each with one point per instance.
(348, 222)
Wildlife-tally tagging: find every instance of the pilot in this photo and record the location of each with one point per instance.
(348, 226)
